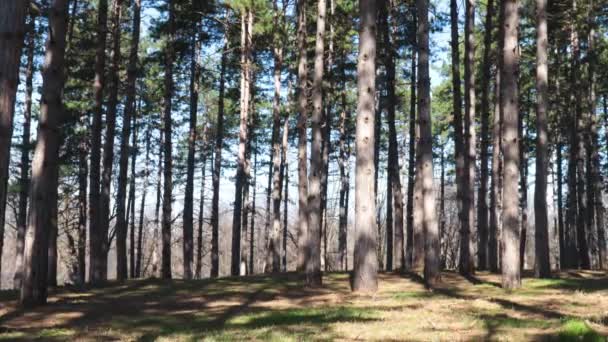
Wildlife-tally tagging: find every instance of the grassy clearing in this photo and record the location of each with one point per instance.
(571, 307)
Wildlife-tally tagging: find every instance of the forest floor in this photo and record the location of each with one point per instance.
(573, 306)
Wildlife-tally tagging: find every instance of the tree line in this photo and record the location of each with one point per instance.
(133, 108)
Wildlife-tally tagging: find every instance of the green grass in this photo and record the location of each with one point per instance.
(577, 330)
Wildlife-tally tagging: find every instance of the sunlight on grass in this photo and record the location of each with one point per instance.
(577, 330)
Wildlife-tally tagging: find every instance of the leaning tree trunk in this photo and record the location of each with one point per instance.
(429, 218)
(131, 200)
(168, 168)
(96, 247)
(12, 25)
(121, 222)
(511, 275)
(482, 203)
(217, 167)
(467, 241)
(188, 229)
(45, 163)
(303, 251)
(365, 258)
(541, 230)
(24, 179)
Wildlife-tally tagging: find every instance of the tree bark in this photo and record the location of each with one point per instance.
(24, 180)
(45, 163)
(188, 229)
(12, 24)
(365, 259)
(313, 263)
(243, 136)
(131, 197)
(523, 188)
(121, 222)
(303, 250)
(96, 245)
(511, 275)
(409, 245)
(217, 166)
(142, 208)
(470, 140)
(431, 230)
(344, 168)
(274, 252)
(541, 230)
(482, 203)
(108, 148)
(168, 154)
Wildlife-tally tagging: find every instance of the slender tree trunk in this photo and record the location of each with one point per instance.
(482, 204)
(409, 245)
(24, 180)
(467, 237)
(96, 246)
(285, 179)
(560, 219)
(188, 248)
(509, 101)
(247, 202)
(159, 200)
(217, 167)
(201, 211)
(82, 209)
(132, 198)
(541, 230)
(243, 136)
(12, 24)
(142, 208)
(45, 163)
(121, 222)
(365, 273)
(274, 252)
(344, 168)
(431, 230)
(303, 250)
(168, 169)
(523, 187)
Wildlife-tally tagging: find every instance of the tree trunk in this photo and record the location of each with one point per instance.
(121, 222)
(313, 263)
(198, 273)
(431, 230)
(217, 167)
(24, 180)
(467, 240)
(303, 250)
(131, 200)
(159, 200)
(344, 168)
(12, 24)
(523, 187)
(560, 219)
(82, 209)
(142, 208)
(285, 179)
(274, 252)
(541, 219)
(45, 163)
(51, 281)
(409, 245)
(168, 169)
(108, 148)
(96, 245)
(482, 204)
(464, 259)
(235, 264)
(365, 273)
(188, 248)
(511, 275)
